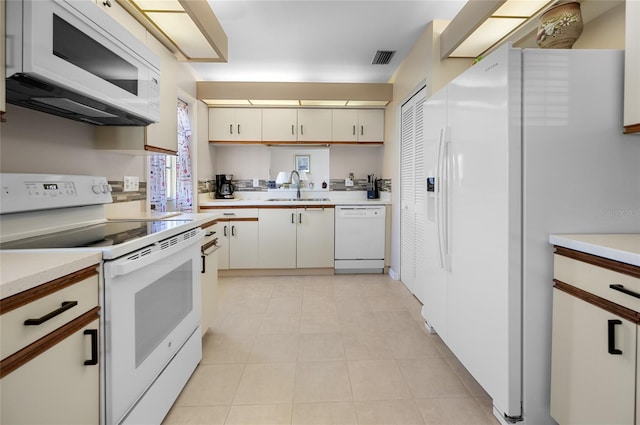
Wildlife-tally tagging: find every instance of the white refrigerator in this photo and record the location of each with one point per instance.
(524, 144)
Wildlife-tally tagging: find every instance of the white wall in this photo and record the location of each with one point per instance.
(35, 142)
(254, 161)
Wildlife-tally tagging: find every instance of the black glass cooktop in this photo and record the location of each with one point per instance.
(98, 235)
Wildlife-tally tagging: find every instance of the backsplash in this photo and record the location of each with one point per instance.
(384, 185)
(119, 195)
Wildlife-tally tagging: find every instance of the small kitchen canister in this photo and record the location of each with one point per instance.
(560, 26)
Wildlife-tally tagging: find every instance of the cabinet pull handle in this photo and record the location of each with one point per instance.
(612, 336)
(229, 213)
(210, 233)
(293, 129)
(300, 218)
(233, 230)
(66, 305)
(203, 270)
(94, 347)
(225, 230)
(106, 3)
(293, 220)
(230, 128)
(301, 130)
(354, 130)
(238, 128)
(362, 130)
(621, 288)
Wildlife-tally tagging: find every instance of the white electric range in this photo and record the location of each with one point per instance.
(149, 292)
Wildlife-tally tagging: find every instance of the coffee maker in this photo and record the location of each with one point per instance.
(224, 188)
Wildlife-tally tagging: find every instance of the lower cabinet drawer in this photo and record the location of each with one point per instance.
(598, 281)
(46, 314)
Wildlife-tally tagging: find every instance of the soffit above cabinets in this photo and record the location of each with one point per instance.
(334, 95)
(188, 28)
(483, 25)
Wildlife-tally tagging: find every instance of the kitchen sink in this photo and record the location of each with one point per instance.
(298, 200)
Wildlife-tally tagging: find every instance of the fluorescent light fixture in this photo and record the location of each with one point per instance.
(490, 31)
(188, 28)
(221, 102)
(367, 103)
(274, 102)
(501, 19)
(335, 103)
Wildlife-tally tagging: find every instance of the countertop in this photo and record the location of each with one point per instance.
(287, 198)
(624, 248)
(20, 271)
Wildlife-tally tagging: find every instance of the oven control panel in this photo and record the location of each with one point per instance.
(30, 192)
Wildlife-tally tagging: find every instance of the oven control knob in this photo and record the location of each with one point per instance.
(106, 188)
(97, 189)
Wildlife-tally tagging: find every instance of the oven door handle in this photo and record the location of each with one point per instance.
(130, 263)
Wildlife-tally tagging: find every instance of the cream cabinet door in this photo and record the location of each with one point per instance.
(163, 135)
(243, 245)
(279, 125)
(314, 125)
(55, 387)
(248, 124)
(589, 384)
(344, 125)
(223, 230)
(315, 241)
(222, 122)
(117, 12)
(277, 238)
(370, 125)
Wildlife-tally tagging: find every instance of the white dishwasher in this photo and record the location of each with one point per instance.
(359, 239)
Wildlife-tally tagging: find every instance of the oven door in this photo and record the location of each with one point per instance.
(152, 306)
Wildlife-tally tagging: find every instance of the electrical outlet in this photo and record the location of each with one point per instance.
(131, 184)
(348, 182)
(256, 182)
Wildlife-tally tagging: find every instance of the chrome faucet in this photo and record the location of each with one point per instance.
(296, 182)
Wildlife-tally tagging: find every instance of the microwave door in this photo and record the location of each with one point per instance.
(67, 45)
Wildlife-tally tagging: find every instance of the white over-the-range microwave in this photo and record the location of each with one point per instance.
(70, 58)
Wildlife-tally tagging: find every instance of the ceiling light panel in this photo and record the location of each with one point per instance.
(323, 102)
(486, 35)
(183, 33)
(228, 102)
(155, 5)
(262, 102)
(520, 8)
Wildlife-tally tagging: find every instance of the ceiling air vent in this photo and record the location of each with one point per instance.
(383, 57)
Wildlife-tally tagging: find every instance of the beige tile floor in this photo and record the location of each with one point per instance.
(346, 349)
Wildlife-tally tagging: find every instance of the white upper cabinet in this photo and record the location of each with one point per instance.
(632, 68)
(358, 125)
(117, 12)
(279, 125)
(296, 125)
(314, 125)
(235, 124)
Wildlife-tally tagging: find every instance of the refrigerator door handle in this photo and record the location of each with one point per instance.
(439, 195)
(446, 207)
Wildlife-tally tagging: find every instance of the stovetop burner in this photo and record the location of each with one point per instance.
(107, 234)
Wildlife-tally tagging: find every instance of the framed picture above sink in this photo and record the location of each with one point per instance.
(303, 163)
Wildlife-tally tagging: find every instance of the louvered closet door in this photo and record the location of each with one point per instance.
(412, 194)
